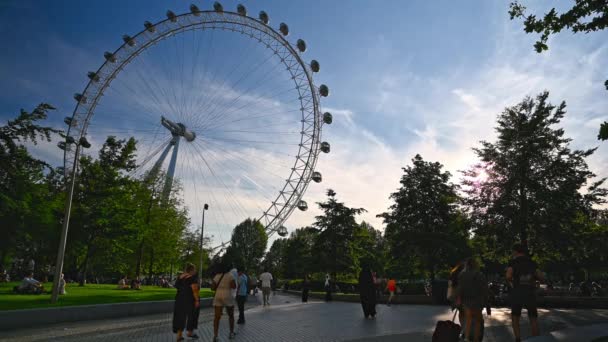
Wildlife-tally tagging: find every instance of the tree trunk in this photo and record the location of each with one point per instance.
(151, 267)
(140, 258)
(83, 269)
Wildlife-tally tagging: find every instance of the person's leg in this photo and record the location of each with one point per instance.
(216, 319)
(230, 310)
(241, 304)
(477, 317)
(533, 316)
(515, 316)
(467, 328)
(193, 321)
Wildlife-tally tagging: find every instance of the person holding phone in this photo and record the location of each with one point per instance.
(187, 303)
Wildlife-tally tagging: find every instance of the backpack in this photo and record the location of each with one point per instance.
(447, 331)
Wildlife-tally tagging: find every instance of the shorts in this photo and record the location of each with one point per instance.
(523, 298)
(227, 301)
(266, 291)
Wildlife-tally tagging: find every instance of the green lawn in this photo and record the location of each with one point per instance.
(90, 294)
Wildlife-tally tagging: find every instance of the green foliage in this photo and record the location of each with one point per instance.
(532, 192)
(603, 135)
(334, 247)
(424, 228)
(247, 245)
(584, 16)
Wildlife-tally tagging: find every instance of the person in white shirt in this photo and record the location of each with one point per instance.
(266, 279)
(223, 284)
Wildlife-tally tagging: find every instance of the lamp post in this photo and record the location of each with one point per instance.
(200, 261)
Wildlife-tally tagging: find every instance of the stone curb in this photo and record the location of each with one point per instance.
(17, 319)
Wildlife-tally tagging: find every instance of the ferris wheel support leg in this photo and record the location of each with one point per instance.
(171, 170)
(159, 162)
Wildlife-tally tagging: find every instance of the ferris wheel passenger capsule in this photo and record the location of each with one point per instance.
(80, 98)
(324, 90)
(171, 16)
(264, 17)
(194, 10)
(128, 40)
(240, 9)
(327, 118)
(84, 142)
(284, 29)
(301, 44)
(325, 147)
(282, 231)
(109, 57)
(93, 76)
(315, 66)
(218, 7)
(149, 27)
(316, 177)
(302, 205)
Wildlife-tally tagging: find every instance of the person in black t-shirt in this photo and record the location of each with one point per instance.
(522, 274)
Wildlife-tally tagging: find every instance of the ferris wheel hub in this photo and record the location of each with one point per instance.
(178, 129)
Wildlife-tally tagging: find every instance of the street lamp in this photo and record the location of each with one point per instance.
(200, 261)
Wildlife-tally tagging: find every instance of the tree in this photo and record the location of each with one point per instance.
(532, 182)
(585, 16)
(23, 192)
(370, 247)
(334, 244)
(299, 256)
(247, 244)
(424, 228)
(274, 258)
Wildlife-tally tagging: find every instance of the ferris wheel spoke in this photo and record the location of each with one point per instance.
(267, 161)
(220, 181)
(253, 116)
(227, 172)
(211, 106)
(214, 114)
(248, 162)
(209, 99)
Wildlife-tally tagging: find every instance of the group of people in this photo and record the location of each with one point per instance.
(231, 286)
(469, 293)
(125, 284)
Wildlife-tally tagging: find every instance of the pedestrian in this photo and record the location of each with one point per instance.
(391, 286)
(266, 279)
(522, 274)
(187, 303)
(241, 295)
(62, 285)
(453, 296)
(253, 284)
(473, 291)
(223, 284)
(328, 288)
(367, 293)
(305, 288)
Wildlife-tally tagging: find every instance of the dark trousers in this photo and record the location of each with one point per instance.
(240, 301)
(304, 295)
(187, 317)
(369, 308)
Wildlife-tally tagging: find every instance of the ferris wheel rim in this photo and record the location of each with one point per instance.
(302, 170)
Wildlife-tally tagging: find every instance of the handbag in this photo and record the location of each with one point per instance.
(214, 286)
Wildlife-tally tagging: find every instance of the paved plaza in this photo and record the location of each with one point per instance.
(289, 320)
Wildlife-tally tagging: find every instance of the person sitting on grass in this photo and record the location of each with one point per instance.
(136, 284)
(30, 285)
(122, 283)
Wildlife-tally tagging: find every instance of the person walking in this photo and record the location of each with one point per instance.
(391, 286)
(453, 296)
(223, 283)
(187, 303)
(305, 289)
(266, 279)
(328, 288)
(522, 274)
(367, 293)
(473, 292)
(241, 295)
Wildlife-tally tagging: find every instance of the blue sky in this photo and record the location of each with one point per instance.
(406, 77)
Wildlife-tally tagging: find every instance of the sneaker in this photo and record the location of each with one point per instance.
(193, 337)
(231, 336)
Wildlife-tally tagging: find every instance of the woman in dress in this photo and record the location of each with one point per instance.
(367, 292)
(223, 284)
(187, 303)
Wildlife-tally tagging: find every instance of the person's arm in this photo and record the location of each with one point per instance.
(196, 292)
(509, 275)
